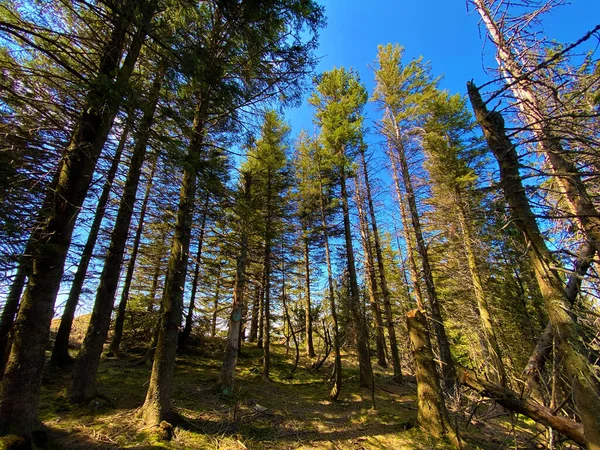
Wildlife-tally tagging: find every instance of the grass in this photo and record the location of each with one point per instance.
(283, 413)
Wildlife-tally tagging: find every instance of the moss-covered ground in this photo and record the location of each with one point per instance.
(284, 413)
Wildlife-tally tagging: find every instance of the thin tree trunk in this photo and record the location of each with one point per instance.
(372, 282)
(83, 381)
(189, 318)
(60, 352)
(267, 263)
(497, 373)
(115, 343)
(51, 237)
(255, 313)
(448, 370)
(235, 319)
(292, 332)
(213, 328)
(286, 312)
(244, 321)
(261, 312)
(157, 406)
(382, 277)
(337, 383)
(362, 344)
(310, 349)
(586, 387)
(412, 264)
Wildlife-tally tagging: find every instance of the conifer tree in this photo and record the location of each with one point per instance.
(60, 350)
(267, 161)
(55, 222)
(585, 383)
(243, 220)
(381, 270)
(401, 91)
(447, 131)
(86, 366)
(244, 59)
(339, 99)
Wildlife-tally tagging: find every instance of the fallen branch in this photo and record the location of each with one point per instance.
(507, 398)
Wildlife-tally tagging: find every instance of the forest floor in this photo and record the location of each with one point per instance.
(284, 413)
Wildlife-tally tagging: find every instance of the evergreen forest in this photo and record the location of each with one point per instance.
(180, 268)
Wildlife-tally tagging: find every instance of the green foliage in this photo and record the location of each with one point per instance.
(339, 99)
(401, 90)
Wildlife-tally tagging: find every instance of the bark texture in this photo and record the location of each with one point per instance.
(52, 235)
(385, 292)
(60, 352)
(533, 410)
(362, 342)
(586, 386)
(448, 370)
(83, 381)
(115, 343)
(432, 415)
(235, 319)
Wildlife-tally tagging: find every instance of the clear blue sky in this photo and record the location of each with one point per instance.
(442, 31)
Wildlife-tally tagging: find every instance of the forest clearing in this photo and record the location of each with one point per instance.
(253, 224)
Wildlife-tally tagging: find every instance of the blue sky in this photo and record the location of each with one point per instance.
(442, 31)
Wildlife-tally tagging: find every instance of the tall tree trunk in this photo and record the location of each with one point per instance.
(115, 343)
(448, 370)
(497, 374)
(415, 277)
(372, 281)
(362, 344)
(235, 319)
(189, 318)
(157, 406)
(213, 328)
(586, 386)
(83, 381)
(51, 237)
(11, 306)
(382, 277)
(252, 336)
(60, 352)
(310, 349)
(267, 263)
(244, 321)
(568, 176)
(337, 383)
(261, 312)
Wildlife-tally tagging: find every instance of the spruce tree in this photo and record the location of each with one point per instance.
(339, 99)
